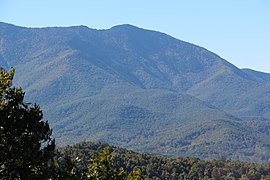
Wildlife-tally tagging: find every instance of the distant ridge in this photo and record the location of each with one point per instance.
(140, 89)
(257, 75)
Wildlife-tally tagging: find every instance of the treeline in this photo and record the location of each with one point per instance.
(154, 167)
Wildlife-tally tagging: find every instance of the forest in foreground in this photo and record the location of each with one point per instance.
(156, 167)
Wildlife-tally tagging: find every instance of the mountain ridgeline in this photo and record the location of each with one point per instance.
(142, 90)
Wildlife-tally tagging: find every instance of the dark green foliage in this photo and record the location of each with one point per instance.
(100, 167)
(26, 145)
(144, 166)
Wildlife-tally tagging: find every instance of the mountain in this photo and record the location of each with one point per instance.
(140, 89)
(258, 76)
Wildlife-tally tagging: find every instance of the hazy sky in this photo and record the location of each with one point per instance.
(237, 30)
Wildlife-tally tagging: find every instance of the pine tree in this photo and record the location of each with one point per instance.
(26, 143)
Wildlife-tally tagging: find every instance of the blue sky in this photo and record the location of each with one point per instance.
(237, 30)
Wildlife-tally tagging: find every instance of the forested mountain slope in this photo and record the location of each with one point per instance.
(140, 89)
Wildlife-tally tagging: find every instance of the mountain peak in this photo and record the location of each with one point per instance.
(128, 28)
(125, 26)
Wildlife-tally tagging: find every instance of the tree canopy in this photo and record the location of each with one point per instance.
(26, 143)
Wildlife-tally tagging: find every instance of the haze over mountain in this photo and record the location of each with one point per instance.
(140, 89)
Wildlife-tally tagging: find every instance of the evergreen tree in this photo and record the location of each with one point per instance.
(101, 167)
(26, 145)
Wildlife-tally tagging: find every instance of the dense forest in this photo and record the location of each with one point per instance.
(28, 151)
(155, 167)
